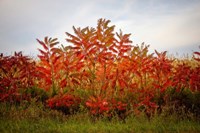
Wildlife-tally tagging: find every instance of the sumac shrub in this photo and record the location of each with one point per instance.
(103, 72)
(67, 103)
(103, 107)
(17, 73)
(111, 75)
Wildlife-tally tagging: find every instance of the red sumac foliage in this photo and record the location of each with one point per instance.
(50, 65)
(17, 73)
(58, 68)
(98, 105)
(67, 103)
(104, 69)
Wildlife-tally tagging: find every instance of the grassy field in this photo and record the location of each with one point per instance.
(36, 118)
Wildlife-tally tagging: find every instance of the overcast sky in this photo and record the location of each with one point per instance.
(172, 25)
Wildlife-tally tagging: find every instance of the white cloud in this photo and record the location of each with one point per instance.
(165, 30)
(164, 25)
(176, 30)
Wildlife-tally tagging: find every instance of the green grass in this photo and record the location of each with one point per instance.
(39, 120)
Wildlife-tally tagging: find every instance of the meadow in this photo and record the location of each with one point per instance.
(99, 82)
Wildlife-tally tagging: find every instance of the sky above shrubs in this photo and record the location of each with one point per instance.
(171, 25)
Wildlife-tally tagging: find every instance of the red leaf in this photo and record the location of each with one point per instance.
(197, 53)
(43, 44)
(75, 81)
(105, 86)
(63, 83)
(122, 83)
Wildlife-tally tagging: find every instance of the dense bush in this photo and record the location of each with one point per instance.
(102, 72)
(17, 73)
